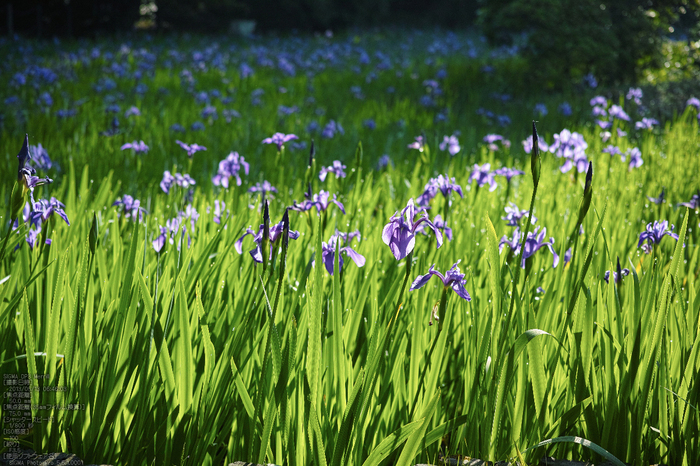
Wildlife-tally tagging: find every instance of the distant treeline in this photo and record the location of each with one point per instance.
(49, 18)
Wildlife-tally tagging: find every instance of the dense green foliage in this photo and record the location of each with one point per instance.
(565, 40)
(197, 355)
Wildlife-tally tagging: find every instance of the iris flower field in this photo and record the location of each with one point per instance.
(376, 248)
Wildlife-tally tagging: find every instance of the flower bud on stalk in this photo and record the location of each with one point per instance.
(266, 235)
(535, 162)
(310, 170)
(93, 235)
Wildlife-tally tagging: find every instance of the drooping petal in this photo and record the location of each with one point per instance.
(458, 287)
(422, 279)
(356, 257)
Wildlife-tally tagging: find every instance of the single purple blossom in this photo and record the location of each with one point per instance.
(617, 112)
(483, 175)
(132, 111)
(599, 100)
(612, 150)
(330, 130)
(130, 206)
(321, 201)
(384, 161)
(453, 278)
(513, 243)
(658, 200)
(337, 169)
(514, 215)
(43, 209)
(137, 146)
(617, 275)
(399, 233)
(565, 109)
(654, 234)
(693, 101)
(26, 174)
(528, 144)
(263, 188)
(190, 148)
(451, 144)
(328, 255)
(444, 184)
(635, 156)
(509, 173)
(219, 207)
(635, 94)
(183, 181)
(418, 144)
(228, 167)
(646, 123)
(693, 203)
(275, 233)
(279, 139)
(535, 241)
(40, 157)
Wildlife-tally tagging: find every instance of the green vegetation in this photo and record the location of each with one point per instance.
(196, 354)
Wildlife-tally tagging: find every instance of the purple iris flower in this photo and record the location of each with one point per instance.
(513, 243)
(418, 144)
(321, 201)
(604, 124)
(599, 111)
(337, 169)
(646, 123)
(190, 148)
(453, 278)
(694, 101)
(33, 236)
(130, 206)
(658, 200)
(229, 167)
(693, 203)
(620, 133)
(617, 112)
(25, 172)
(635, 156)
(132, 111)
(541, 109)
(527, 145)
(483, 175)
(137, 146)
(279, 139)
(535, 242)
(399, 233)
(599, 100)
(612, 150)
(384, 161)
(572, 147)
(654, 234)
(275, 234)
(331, 129)
(263, 188)
(617, 275)
(43, 209)
(40, 157)
(513, 215)
(509, 173)
(451, 144)
(636, 94)
(444, 184)
(565, 109)
(219, 207)
(567, 256)
(492, 138)
(183, 181)
(328, 254)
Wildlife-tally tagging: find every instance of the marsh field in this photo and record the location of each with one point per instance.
(232, 249)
